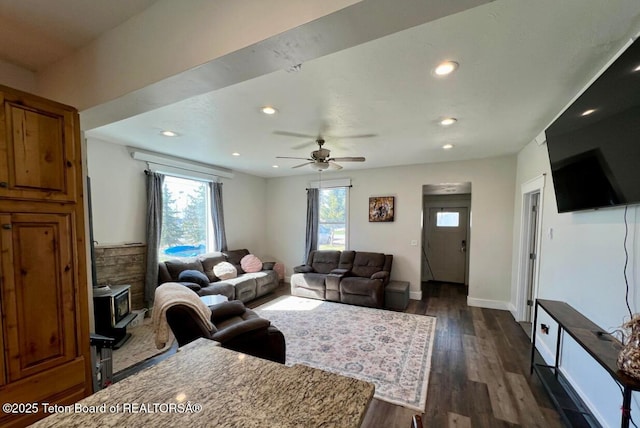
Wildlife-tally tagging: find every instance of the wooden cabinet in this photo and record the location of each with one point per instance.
(38, 153)
(44, 323)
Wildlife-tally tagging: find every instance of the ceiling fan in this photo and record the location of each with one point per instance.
(320, 159)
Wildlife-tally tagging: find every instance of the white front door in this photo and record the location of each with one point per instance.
(447, 244)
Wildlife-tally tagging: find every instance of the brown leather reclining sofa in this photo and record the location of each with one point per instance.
(354, 277)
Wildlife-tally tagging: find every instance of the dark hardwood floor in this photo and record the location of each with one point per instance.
(479, 369)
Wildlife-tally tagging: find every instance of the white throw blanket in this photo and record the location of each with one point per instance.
(168, 295)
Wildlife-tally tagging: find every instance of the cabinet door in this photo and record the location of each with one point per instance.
(3, 375)
(38, 292)
(37, 148)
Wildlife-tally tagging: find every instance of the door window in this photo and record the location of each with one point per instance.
(447, 219)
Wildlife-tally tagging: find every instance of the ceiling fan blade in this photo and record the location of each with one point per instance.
(349, 159)
(343, 137)
(303, 145)
(335, 165)
(302, 164)
(290, 157)
(294, 134)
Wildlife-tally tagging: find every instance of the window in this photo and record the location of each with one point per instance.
(332, 222)
(186, 219)
(447, 219)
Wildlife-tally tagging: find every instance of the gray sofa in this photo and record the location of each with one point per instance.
(355, 277)
(245, 287)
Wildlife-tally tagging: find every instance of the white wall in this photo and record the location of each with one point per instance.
(17, 77)
(245, 198)
(492, 220)
(582, 263)
(118, 194)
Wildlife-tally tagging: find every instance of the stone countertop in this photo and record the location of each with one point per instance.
(233, 390)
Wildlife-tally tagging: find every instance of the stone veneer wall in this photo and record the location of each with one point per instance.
(123, 264)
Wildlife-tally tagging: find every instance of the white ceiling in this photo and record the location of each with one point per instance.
(520, 63)
(36, 33)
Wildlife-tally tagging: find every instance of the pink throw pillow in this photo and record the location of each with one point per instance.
(251, 263)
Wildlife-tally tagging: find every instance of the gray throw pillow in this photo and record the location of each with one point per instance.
(194, 276)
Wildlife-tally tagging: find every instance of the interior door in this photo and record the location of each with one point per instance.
(533, 256)
(447, 244)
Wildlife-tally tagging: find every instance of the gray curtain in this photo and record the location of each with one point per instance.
(311, 242)
(154, 232)
(217, 216)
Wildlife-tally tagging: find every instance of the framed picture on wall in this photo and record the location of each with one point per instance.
(381, 208)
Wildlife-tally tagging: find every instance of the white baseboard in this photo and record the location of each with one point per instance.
(489, 304)
(549, 358)
(415, 295)
(593, 409)
(514, 312)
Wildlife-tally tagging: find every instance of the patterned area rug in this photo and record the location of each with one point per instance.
(392, 350)
(140, 347)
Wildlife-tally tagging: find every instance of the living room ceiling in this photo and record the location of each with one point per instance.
(520, 63)
(36, 33)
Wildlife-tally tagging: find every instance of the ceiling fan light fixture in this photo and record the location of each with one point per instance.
(448, 121)
(269, 110)
(321, 166)
(446, 68)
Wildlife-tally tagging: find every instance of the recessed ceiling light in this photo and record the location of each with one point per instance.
(637, 68)
(446, 68)
(169, 133)
(587, 112)
(269, 110)
(275, 166)
(235, 154)
(448, 121)
(447, 146)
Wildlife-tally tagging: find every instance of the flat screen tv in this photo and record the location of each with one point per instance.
(594, 146)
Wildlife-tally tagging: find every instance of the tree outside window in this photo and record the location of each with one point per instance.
(332, 223)
(186, 227)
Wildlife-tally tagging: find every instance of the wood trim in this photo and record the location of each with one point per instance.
(6, 270)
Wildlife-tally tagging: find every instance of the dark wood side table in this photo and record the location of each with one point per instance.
(600, 345)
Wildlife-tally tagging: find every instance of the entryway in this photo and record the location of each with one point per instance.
(446, 233)
(446, 244)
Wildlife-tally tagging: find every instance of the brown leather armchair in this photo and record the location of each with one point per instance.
(235, 327)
